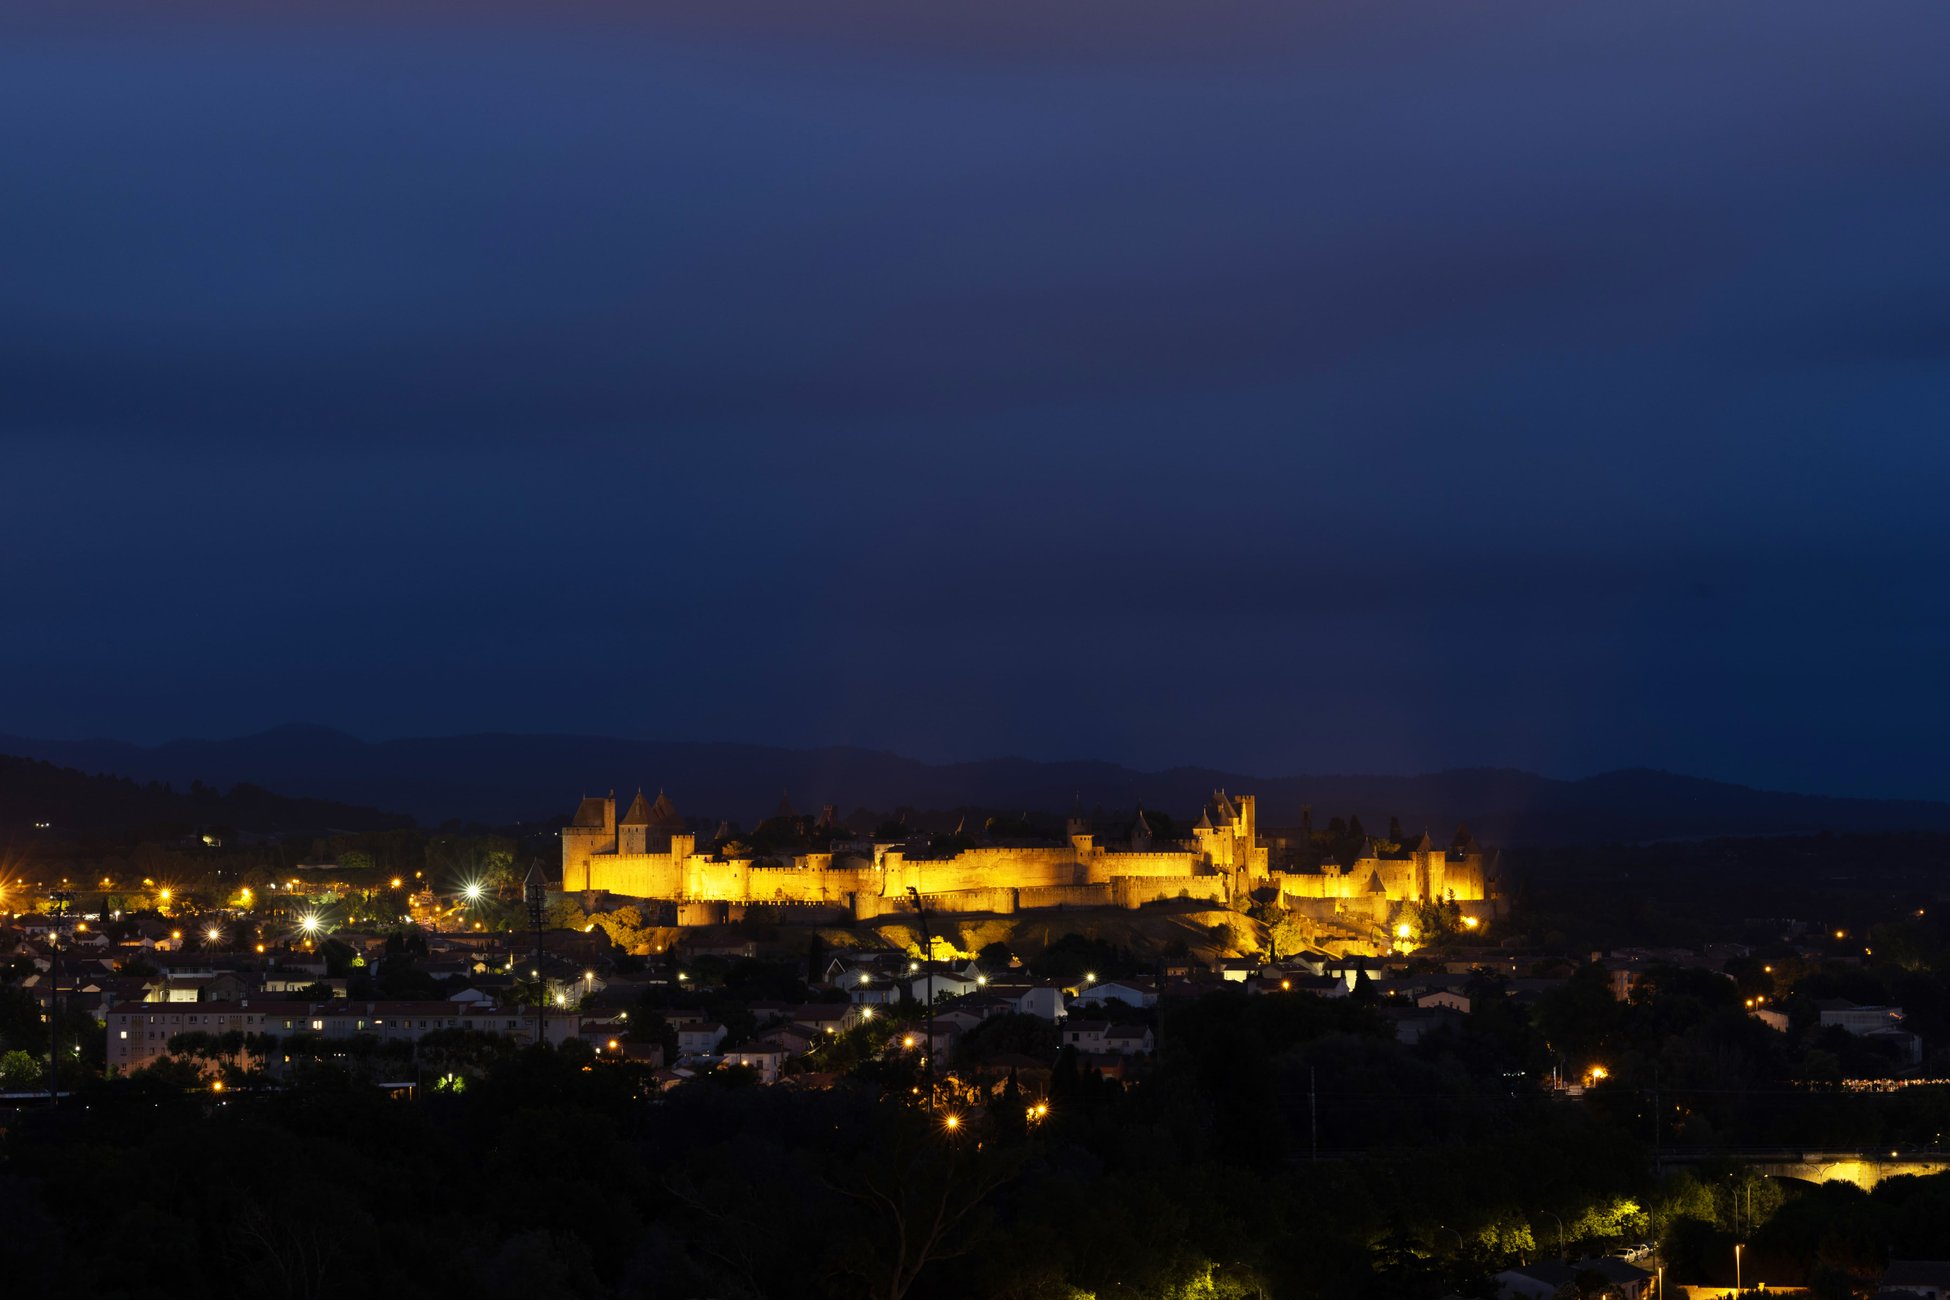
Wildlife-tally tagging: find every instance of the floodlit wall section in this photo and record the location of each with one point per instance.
(1222, 863)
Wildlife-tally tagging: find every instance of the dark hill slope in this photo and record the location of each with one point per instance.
(32, 791)
(501, 778)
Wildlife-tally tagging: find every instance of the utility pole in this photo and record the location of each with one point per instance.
(61, 897)
(927, 955)
(535, 902)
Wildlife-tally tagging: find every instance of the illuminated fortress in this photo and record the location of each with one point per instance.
(653, 853)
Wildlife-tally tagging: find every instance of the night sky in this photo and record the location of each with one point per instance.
(1290, 386)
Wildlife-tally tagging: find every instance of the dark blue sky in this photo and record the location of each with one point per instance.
(1282, 385)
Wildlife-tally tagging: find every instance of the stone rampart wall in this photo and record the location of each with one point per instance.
(983, 868)
(1136, 891)
(797, 885)
(1296, 886)
(1000, 901)
(649, 875)
(579, 844)
(1102, 868)
(1065, 896)
(1366, 908)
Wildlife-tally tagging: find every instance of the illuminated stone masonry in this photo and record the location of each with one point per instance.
(654, 853)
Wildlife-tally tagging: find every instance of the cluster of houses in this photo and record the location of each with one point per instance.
(155, 985)
(1094, 1017)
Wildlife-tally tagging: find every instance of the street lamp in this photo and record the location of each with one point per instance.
(536, 898)
(62, 898)
(927, 946)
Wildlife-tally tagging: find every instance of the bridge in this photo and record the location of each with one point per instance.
(1863, 1168)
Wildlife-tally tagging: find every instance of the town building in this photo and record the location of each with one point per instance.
(139, 1033)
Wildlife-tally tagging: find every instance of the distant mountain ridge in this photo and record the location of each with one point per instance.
(499, 779)
(34, 792)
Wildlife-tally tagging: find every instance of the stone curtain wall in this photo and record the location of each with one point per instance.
(983, 868)
(1136, 891)
(1002, 902)
(1102, 867)
(1065, 896)
(650, 875)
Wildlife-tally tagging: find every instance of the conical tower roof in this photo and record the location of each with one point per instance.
(639, 813)
(664, 815)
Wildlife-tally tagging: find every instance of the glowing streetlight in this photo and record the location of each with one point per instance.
(1090, 977)
(212, 935)
(1470, 923)
(1404, 930)
(473, 892)
(308, 923)
(951, 1122)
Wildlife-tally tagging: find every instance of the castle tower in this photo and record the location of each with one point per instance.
(1203, 835)
(1083, 836)
(633, 832)
(590, 832)
(1428, 869)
